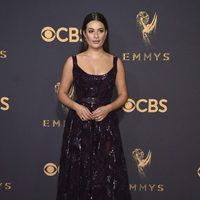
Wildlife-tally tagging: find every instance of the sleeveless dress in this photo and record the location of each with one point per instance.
(92, 162)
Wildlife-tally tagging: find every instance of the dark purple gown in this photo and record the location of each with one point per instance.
(92, 162)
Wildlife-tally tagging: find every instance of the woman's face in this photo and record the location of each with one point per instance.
(95, 34)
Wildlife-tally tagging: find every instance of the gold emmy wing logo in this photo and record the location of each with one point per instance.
(71, 95)
(146, 28)
(50, 169)
(142, 163)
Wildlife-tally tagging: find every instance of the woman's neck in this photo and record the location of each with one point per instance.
(95, 52)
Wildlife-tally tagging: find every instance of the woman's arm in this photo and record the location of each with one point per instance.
(65, 83)
(120, 83)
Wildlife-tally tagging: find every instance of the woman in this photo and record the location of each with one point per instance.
(92, 163)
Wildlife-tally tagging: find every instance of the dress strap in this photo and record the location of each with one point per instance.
(74, 59)
(115, 61)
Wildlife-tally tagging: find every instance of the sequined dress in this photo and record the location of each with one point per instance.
(92, 161)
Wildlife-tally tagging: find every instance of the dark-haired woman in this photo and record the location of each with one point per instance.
(92, 162)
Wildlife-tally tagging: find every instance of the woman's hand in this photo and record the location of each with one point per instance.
(100, 113)
(83, 112)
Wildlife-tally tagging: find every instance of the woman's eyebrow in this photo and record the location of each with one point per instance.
(93, 28)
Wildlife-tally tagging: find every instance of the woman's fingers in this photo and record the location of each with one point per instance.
(86, 114)
(97, 115)
(89, 113)
(100, 118)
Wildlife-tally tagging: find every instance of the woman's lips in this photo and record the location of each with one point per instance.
(96, 41)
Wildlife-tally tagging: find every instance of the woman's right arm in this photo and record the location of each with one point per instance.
(65, 83)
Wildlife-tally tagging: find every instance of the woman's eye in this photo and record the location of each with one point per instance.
(101, 31)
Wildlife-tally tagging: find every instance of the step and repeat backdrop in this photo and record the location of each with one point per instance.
(158, 42)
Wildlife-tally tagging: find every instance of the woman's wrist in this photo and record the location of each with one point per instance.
(109, 107)
(75, 106)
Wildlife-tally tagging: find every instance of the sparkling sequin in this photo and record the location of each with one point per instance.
(92, 162)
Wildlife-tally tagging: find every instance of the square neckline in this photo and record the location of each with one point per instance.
(113, 66)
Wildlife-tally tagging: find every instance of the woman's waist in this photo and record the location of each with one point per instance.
(93, 100)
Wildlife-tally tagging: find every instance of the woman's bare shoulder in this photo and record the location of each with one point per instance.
(119, 61)
(68, 62)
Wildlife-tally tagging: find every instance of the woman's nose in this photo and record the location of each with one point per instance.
(95, 34)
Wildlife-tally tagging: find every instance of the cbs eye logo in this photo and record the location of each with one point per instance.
(50, 169)
(146, 105)
(62, 34)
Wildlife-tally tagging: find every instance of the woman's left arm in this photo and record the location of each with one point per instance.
(120, 83)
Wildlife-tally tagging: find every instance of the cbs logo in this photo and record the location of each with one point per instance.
(146, 105)
(5, 186)
(50, 169)
(4, 103)
(3, 54)
(62, 34)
